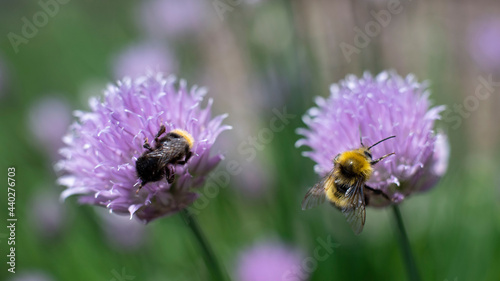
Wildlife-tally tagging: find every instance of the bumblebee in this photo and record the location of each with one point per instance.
(157, 162)
(344, 186)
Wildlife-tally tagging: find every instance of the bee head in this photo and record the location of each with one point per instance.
(367, 154)
(187, 136)
(354, 162)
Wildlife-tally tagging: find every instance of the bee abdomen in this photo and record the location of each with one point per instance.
(147, 169)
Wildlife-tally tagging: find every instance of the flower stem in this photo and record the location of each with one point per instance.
(411, 266)
(210, 260)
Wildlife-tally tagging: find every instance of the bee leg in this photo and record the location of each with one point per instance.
(146, 145)
(378, 192)
(188, 155)
(160, 132)
(170, 173)
(139, 188)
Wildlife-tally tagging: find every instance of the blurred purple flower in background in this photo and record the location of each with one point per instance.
(254, 179)
(136, 60)
(103, 146)
(48, 121)
(484, 38)
(121, 232)
(47, 214)
(380, 106)
(172, 17)
(253, 176)
(253, 2)
(31, 275)
(270, 261)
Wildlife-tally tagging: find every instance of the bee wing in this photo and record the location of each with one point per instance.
(156, 154)
(354, 211)
(162, 159)
(315, 195)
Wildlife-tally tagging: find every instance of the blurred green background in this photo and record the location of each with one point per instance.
(253, 56)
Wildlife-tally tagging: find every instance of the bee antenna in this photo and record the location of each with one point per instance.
(381, 141)
(360, 136)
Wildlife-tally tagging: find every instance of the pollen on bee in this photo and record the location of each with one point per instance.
(187, 136)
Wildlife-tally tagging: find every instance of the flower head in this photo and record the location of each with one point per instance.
(270, 261)
(103, 146)
(379, 107)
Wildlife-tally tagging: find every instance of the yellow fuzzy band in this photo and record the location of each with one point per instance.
(187, 136)
(352, 154)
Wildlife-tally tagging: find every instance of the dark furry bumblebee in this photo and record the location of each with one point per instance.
(174, 148)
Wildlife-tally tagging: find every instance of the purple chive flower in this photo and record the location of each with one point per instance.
(136, 60)
(270, 261)
(103, 145)
(484, 38)
(379, 107)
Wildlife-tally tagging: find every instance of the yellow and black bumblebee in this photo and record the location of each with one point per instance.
(344, 186)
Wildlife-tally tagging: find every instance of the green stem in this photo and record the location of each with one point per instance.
(411, 266)
(210, 260)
